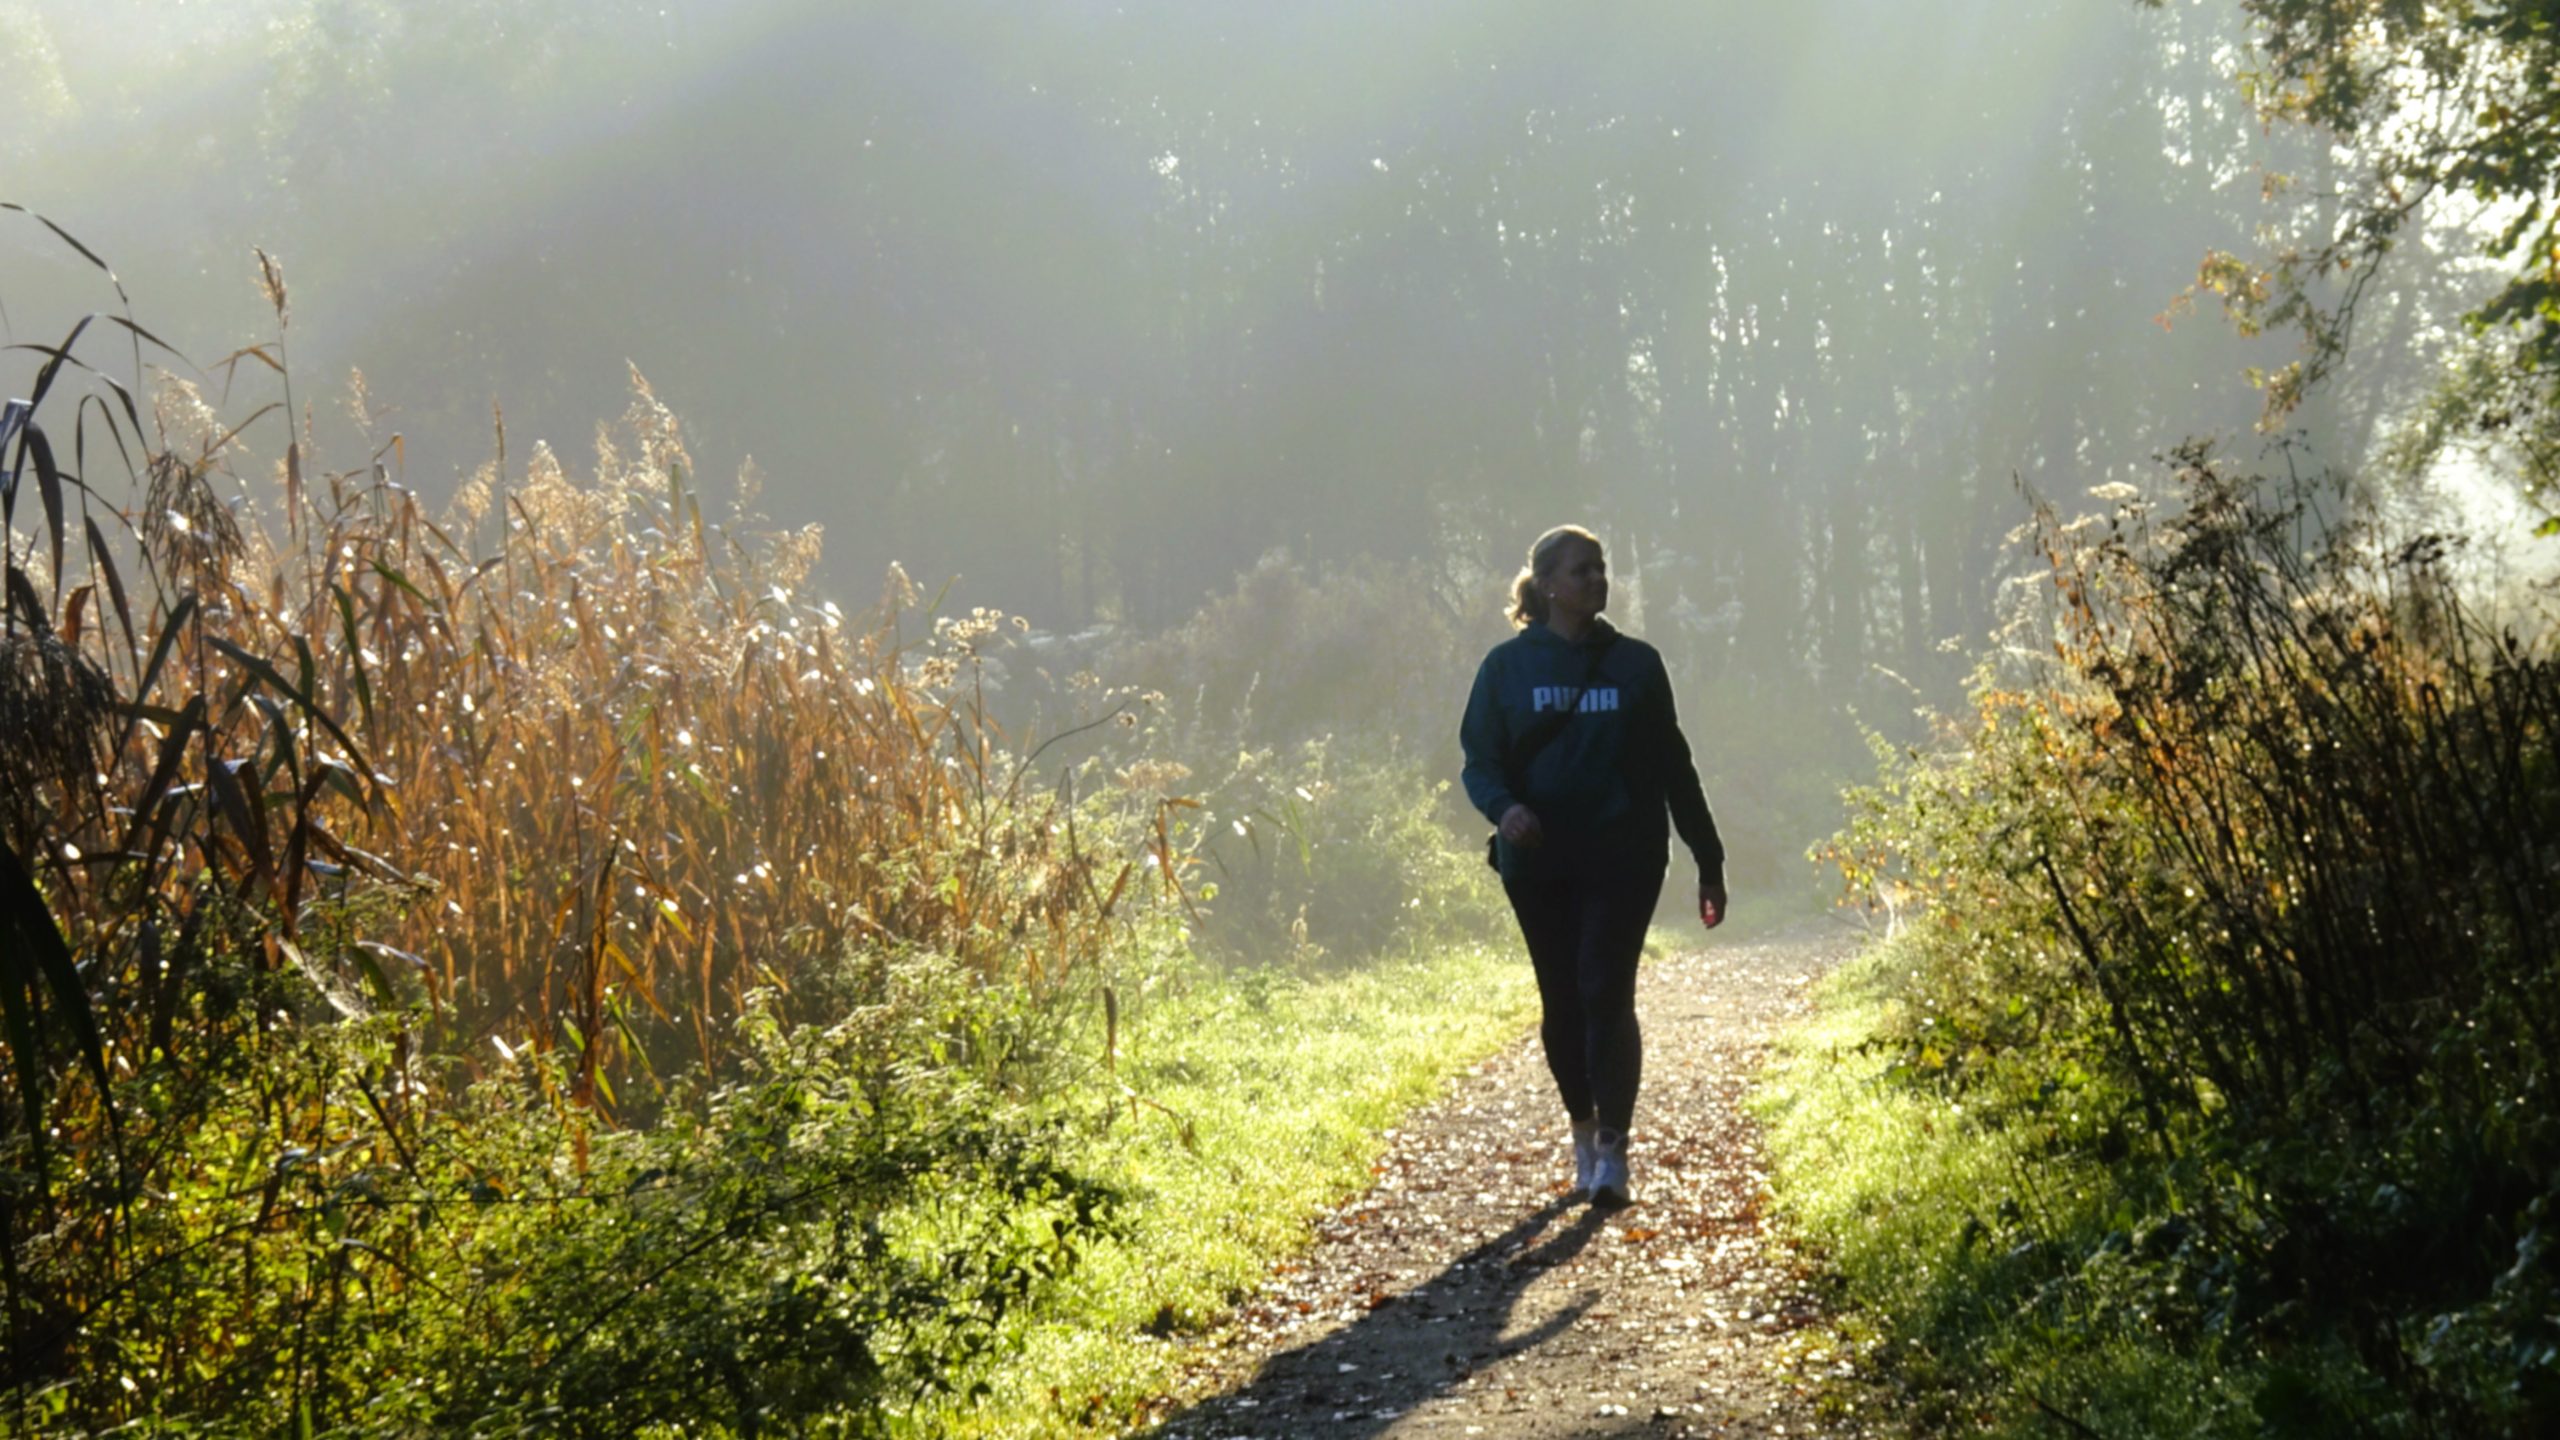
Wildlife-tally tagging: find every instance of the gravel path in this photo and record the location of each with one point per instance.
(1462, 1295)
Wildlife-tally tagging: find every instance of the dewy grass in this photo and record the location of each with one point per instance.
(1284, 1085)
(1902, 1194)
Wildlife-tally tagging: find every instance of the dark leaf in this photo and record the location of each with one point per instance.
(36, 955)
(231, 781)
(173, 749)
(106, 566)
(49, 490)
(269, 674)
(58, 354)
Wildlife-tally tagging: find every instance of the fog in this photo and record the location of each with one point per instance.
(1088, 307)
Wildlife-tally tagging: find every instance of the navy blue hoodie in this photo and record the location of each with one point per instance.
(1614, 770)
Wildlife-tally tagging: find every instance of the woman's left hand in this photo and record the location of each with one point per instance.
(1711, 903)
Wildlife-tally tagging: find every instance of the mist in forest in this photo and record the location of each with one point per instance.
(1089, 309)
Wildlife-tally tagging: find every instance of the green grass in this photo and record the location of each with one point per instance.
(1980, 1255)
(1285, 1085)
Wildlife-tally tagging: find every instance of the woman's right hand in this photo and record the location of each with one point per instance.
(1520, 827)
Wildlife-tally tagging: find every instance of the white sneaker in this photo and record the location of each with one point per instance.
(1609, 1185)
(1586, 1155)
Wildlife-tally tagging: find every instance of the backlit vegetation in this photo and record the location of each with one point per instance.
(527, 968)
(2203, 1092)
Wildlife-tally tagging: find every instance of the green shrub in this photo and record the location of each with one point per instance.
(2227, 968)
(332, 1235)
(1331, 850)
(1322, 850)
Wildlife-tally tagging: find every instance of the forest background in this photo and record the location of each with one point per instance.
(1091, 309)
(1237, 354)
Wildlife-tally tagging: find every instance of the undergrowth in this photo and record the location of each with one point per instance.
(536, 968)
(2206, 1088)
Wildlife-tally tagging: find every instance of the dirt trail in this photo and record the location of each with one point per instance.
(1463, 1296)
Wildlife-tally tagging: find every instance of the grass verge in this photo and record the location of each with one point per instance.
(1913, 1203)
(1284, 1084)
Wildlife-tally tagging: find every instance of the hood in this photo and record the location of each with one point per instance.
(1538, 634)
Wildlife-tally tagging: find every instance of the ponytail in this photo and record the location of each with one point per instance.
(1528, 606)
(1528, 602)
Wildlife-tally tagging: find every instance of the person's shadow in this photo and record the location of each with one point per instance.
(1418, 1344)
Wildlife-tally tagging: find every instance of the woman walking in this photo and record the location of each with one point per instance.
(1574, 752)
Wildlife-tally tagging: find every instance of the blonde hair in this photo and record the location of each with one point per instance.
(1528, 604)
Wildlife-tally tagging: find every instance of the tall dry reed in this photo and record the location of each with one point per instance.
(569, 763)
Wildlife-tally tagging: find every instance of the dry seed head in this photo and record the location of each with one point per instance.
(543, 472)
(359, 400)
(966, 633)
(1154, 777)
(661, 438)
(188, 527)
(608, 454)
(897, 592)
(561, 513)
(271, 285)
(795, 554)
(258, 556)
(54, 705)
(471, 502)
(179, 409)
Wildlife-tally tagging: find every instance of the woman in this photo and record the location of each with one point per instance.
(1575, 754)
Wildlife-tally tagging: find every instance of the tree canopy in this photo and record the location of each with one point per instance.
(2445, 114)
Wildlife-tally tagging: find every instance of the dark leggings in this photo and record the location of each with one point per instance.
(1584, 919)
